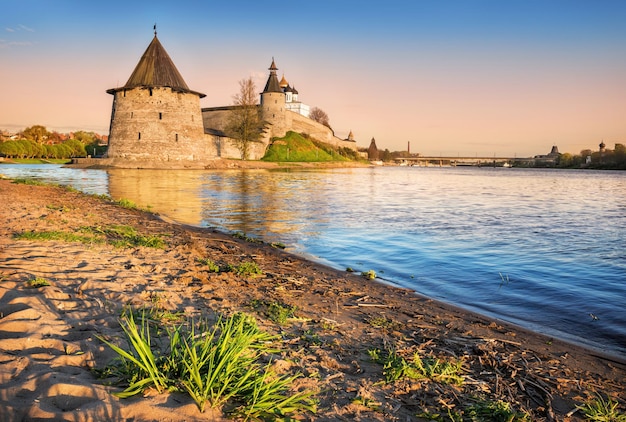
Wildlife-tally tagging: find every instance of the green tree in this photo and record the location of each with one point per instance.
(27, 149)
(386, 155)
(76, 147)
(10, 149)
(566, 160)
(244, 124)
(86, 138)
(36, 133)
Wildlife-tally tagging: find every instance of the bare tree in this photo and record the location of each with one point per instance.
(319, 116)
(244, 124)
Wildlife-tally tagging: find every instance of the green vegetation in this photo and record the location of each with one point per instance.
(40, 161)
(246, 269)
(396, 367)
(371, 274)
(128, 204)
(36, 144)
(127, 237)
(55, 235)
(280, 312)
(295, 147)
(118, 236)
(33, 182)
(493, 411)
(276, 312)
(243, 236)
(216, 365)
(38, 282)
(601, 410)
(383, 322)
(212, 266)
(606, 159)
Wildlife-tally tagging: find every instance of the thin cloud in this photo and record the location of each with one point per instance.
(7, 44)
(19, 27)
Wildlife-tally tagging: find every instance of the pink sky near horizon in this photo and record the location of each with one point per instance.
(492, 92)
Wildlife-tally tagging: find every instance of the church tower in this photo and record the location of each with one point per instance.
(155, 116)
(273, 105)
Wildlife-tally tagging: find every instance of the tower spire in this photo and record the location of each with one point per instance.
(273, 85)
(154, 27)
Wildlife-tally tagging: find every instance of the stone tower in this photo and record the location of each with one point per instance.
(372, 151)
(155, 116)
(273, 105)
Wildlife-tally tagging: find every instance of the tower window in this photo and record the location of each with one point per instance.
(151, 92)
(160, 116)
(131, 114)
(177, 137)
(139, 136)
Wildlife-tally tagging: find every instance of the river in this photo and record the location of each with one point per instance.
(544, 249)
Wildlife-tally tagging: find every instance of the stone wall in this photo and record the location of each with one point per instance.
(158, 123)
(215, 119)
(318, 131)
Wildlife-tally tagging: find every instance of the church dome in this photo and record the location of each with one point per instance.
(283, 82)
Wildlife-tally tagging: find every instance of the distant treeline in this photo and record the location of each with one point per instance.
(603, 159)
(37, 142)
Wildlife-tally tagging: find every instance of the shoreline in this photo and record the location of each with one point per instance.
(216, 164)
(329, 340)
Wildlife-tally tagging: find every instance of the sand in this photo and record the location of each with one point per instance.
(49, 342)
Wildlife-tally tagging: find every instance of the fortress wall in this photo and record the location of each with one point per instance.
(226, 148)
(157, 122)
(216, 117)
(318, 131)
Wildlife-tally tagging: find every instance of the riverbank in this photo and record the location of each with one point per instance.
(216, 164)
(49, 343)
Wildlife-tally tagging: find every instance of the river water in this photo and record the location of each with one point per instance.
(545, 249)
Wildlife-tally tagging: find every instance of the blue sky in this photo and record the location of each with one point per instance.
(450, 77)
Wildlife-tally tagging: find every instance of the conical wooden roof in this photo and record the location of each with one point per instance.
(272, 84)
(156, 69)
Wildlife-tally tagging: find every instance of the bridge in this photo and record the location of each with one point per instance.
(440, 161)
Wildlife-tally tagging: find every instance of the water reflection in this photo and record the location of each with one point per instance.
(175, 194)
(276, 206)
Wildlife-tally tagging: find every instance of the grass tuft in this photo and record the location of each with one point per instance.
(602, 410)
(489, 410)
(216, 365)
(396, 367)
(38, 282)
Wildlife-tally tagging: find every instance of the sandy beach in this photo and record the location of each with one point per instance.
(50, 347)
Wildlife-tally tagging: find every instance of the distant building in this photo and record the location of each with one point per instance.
(549, 159)
(372, 151)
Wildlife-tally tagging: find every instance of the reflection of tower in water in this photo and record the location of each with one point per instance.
(274, 206)
(171, 193)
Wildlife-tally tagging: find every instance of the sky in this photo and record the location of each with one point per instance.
(454, 78)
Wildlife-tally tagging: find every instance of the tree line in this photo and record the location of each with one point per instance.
(37, 142)
(601, 159)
